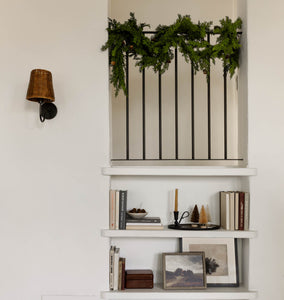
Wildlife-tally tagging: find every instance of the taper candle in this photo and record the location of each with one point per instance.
(176, 200)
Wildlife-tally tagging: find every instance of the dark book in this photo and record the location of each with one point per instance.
(241, 210)
(144, 220)
(122, 209)
(123, 274)
(120, 273)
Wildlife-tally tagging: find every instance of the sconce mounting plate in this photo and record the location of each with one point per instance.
(47, 111)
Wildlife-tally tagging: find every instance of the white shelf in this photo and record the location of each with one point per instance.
(159, 293)
(170, 233)
(177, 171)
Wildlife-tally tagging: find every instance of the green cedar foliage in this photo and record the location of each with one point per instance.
(157, 51)
(228, 46)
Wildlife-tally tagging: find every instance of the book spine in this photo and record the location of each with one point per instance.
(146, 227)
(111, 209)
(224, 210)
(237, 210)
(115, 269)
(158, 220)
(111, 263)
(241, 210)
(120, 274)
(122, 209)
(246, 213)
(123, 275)
(143, 224)
(116, 209)
(232, 210)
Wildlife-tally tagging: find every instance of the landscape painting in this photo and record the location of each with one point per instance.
(184, 270)
(221, 260)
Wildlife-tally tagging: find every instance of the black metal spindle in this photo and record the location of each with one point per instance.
(143, 114)
(192, 114)
(209, 125)
(160, 115)
(209, 105)
(127, 106)
(225, 115)
(176, 101)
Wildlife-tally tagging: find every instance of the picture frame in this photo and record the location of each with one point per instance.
(221, 259)
(184, 270)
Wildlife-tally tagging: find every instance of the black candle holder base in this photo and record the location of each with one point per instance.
(194, 226)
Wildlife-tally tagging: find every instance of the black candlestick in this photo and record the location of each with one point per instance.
(176, 218)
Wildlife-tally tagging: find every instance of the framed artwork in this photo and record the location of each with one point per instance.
(221, 259)
(184, 270)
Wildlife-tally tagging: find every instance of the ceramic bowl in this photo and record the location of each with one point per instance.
(137, 215)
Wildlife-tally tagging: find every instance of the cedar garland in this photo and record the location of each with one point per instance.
(158, 51)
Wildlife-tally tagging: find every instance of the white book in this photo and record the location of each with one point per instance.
(117, 209)
(246, 214)
(232, 210)
(144, 227)
(112, 209)
(116, 269)
(111, 264)
(236, 210)
(144, 224)
(224, 210)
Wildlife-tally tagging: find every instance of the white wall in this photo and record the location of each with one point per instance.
(51, 190)
(266, 146)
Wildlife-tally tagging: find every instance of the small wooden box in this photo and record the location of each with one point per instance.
(139, 279)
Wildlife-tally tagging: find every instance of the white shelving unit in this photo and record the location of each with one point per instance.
(169, 233)
(177, 171)
(159, 293)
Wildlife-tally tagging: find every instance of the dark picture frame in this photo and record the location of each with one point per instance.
(221, 259)
(184, 270)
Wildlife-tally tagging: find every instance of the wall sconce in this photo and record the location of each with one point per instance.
(41, 90)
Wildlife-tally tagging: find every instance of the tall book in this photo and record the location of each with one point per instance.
(111, 264)
(112, 209)
(237, 210)
(120, 274)
(122, 209)
(116, 269)
(232, 210)
(224, 210)
(241, 210)
(123, 275)
(117, 209)
(246, 214)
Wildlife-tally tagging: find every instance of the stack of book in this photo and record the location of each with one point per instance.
(146, 223)
(117, 209)
(116, 270)
(234, 210)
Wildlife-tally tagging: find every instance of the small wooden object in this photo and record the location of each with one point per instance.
(139, 279)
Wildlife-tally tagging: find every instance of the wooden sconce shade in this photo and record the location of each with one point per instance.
(41, 90)
(40, 86)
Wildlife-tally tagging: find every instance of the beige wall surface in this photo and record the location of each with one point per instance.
(266, 146)
(51, 188)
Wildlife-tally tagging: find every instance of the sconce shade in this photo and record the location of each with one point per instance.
(40, 86)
